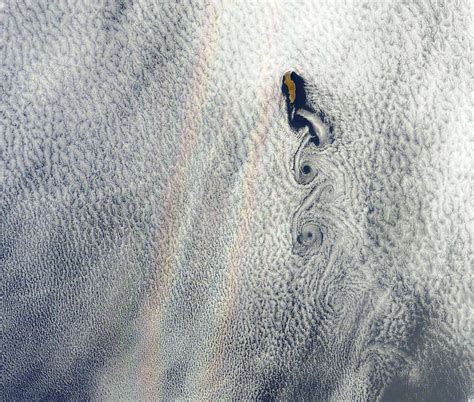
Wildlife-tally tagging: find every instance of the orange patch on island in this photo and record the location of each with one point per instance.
(290, 84)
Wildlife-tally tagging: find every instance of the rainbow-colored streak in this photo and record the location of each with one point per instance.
(233, 281)
(216, 347)
(172, 228)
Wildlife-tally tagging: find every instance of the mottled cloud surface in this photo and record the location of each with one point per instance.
(169, 231)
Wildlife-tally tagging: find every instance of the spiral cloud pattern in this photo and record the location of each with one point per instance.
(237, 200)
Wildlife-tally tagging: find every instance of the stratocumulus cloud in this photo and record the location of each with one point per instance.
(175, 226)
